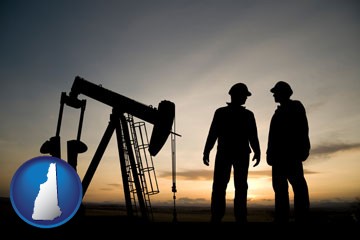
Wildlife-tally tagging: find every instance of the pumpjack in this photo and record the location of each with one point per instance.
(135, 153)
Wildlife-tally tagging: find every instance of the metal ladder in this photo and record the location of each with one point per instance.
(131, 181)
(144, 164)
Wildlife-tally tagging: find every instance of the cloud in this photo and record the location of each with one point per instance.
(309, 172)
(314, 107)
(111, 186)
(268, 173)
(116, 185)
(184, 201)
(203, 175)
(192, 201)
(207, 175)
(319, 151)
(326, 149)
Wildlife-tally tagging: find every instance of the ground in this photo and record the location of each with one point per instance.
(111, 220)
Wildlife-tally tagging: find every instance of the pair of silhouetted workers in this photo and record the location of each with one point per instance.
(234, 128)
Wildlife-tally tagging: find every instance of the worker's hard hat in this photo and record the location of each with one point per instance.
(282, 88)
(239, 89)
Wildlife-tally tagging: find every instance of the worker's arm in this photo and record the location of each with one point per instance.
(210, 141)
(254, 141)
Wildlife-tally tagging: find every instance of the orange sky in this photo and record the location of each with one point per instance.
(190, 53)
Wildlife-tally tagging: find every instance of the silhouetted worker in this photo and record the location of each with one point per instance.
(234, 129)
(288, 146)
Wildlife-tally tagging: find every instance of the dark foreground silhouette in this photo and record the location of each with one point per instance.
(288, 147)
(234, 129)
(111, 221)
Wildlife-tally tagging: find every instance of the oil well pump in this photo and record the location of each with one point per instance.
(135, 150)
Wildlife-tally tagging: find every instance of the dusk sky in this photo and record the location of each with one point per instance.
(190, 53)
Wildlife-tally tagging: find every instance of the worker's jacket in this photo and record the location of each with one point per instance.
(288, 133)
(234, 129)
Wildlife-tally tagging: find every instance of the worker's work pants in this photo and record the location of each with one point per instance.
(221, 178)
(284, 172)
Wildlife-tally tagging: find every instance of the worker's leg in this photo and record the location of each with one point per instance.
(241, 167)
(281, 190)
(301, 193)
(222, 172)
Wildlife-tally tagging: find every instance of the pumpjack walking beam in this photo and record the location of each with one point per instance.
(162, 117)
